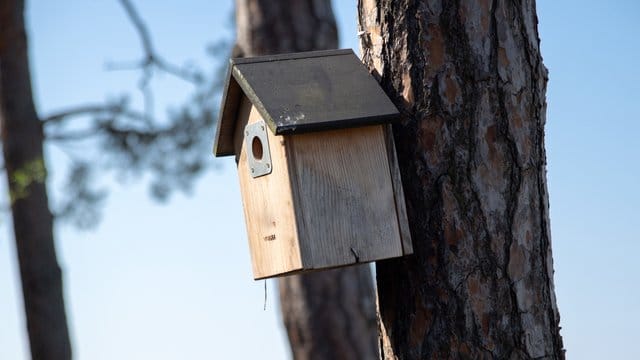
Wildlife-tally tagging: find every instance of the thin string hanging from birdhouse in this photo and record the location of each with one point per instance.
(265, 295)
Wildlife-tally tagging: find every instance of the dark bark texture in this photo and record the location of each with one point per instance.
(22, 140)
(468, 78)
(327, 314)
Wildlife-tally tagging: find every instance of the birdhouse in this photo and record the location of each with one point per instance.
(318, 172)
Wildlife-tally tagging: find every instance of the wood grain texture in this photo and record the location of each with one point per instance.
(268, 205)
(329, 201)
(398, 192)
(345, 197)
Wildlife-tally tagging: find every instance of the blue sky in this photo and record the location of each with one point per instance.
(174, 281)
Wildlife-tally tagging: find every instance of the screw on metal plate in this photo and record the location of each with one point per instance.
(257, 146)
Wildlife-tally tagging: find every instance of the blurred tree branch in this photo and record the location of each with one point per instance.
(151, 60)
(92, 109)
(173, 149)
(151, 57)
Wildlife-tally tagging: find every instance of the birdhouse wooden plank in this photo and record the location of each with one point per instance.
(316, 161)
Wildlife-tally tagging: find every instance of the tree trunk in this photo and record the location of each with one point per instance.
(328, 314)
(22, 140)
(469, 80)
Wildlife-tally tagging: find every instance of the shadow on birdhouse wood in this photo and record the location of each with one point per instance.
(317, 165)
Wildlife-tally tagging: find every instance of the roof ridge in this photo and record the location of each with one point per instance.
(290, 56)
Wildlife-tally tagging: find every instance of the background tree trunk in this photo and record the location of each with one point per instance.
(469, 80)
(22, 139)
(328, 314)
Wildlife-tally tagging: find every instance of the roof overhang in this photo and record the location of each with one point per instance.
(302, 92)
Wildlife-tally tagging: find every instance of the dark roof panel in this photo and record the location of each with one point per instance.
(303, 92)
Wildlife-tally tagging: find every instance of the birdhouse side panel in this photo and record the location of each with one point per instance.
(346, 196)
(267, 202)
(396, 179)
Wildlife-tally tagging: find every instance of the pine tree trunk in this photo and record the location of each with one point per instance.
(328, 314)
(22, 140)
(469, 80)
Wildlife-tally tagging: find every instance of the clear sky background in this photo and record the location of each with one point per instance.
(174, 281)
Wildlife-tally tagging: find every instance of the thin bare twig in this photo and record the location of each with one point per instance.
(150, 60)
(151, 56)
(77, 135)
(92, 109)
(143, 85)
(140, 26)
(124, 65)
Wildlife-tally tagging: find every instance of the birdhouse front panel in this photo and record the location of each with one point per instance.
(268, 201)
(318, 172)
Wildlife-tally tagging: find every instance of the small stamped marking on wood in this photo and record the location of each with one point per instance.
(270, 237)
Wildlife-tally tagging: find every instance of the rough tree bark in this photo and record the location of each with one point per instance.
(468, 78)
(22, 140)
(328, 314)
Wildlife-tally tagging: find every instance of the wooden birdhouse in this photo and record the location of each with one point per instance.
(317, 166)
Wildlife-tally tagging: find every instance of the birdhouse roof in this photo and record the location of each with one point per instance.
(302, 92)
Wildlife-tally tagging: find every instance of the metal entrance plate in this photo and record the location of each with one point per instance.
(256, 141)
